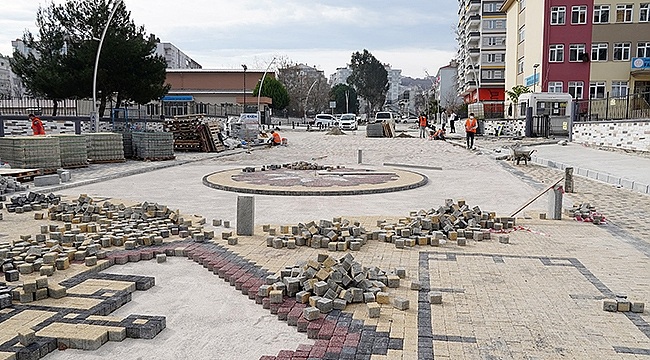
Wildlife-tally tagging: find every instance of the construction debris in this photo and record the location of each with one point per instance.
(9, 184)
(335, 131)
(587, 213)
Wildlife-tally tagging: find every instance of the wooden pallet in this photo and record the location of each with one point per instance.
(114, 161)
(22, 175)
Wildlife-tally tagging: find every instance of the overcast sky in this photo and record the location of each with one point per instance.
(412, 35)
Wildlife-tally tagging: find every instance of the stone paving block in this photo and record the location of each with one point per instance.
(374, 310)
(401, 303)
(47, 270)
(504, 239)
(622, 304)
(368, 297)
(40, 294)
(393, 281)
(116, 333)
(339, 304)
(41, 282)
(461, 241)
(415, 285)
(610, 305)
(383, 298)
(12, 275)
(91, 261)
(25, 269)
(26, 337)
(56, 291)
(637, 307)
(435, 297)
(29, 286)
(310, 314)
(161, 258)
(401, 272)
(400, 243)
(276, 296)
(324, 305)
(179, 251)
(233, 240)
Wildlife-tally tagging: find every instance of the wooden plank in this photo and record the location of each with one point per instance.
(525, 205)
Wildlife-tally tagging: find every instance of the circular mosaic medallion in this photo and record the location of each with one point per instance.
(290, 182)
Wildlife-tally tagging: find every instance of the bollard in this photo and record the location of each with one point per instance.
(245, 215)
(359, 156)
(568, 180)
(555, 203)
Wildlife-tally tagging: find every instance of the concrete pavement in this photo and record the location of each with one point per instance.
(538, 297)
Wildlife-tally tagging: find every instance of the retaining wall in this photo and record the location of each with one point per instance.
(621, 134)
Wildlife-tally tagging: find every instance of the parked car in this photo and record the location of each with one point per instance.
(348, 122)
(384, 116)
(325, 120)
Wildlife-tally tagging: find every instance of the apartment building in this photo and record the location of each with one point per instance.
(588, 48)
(445, 85)
(340, 76)
(482, 50)
(175, 58)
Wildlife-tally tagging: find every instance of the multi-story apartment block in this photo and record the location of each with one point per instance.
(588, 48)
(481, 55)
(5, 78)
(446, 86)
(340, 76)
(175, 58)
(394, 84)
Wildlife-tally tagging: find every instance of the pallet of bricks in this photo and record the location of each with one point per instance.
(195, 134)
(73, 151)
(31, 152)
(153, 146)
(104, 148)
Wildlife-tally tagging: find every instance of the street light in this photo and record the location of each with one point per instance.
(245, 68)
(306, 97)
(94, 117)
(535, 76)
(259, 91)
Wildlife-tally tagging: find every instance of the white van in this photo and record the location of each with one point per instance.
(384, 116)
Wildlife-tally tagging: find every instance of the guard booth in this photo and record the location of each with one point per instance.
(551, 113)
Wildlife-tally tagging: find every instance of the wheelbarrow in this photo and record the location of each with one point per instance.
(522, 153)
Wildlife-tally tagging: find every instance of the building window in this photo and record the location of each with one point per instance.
(644, 12)
(642, 49)
(494, 58)
(494, 40)
(521, 34)
(492, 74)
(576, 52)
(520, 66)
(491, 7)
(558, 15)
(494, 24)
(622, 51)
(555, 86)
(599, 52)
(556, 53)
(601, 14)
(575, 89)
(619, 88)
(597, 90)
(624, 13)
(579, 14)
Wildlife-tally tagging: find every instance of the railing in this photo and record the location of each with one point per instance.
(631, 106)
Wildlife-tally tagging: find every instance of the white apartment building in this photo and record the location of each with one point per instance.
(340, 76)
(175, 58)
(481, 50)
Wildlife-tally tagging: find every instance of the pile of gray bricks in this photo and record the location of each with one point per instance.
(31, 201)
(30, 152)
(336, 235)
(153, 145)
(73, 150)
(37, 289)
(328, 284)
(104, 147)
(9, 184)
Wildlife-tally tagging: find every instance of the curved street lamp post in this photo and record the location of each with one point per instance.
(94, 116)
(259, 91)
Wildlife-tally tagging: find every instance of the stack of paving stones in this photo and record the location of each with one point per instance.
(336, 235)
(37, 289)
(587, 213)
(127, 142)
(622, 304)
(89, 231)
(104, 147)
(31, 201)
(327, 284)
(73, 151)
(31, 152)
(153, 146)
(9, 184)
(454, 221)
(6, 295)
(337, 335)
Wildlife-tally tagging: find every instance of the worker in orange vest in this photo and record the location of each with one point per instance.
(470, 130)
(423, 126)
(275, 138)
(37, 125)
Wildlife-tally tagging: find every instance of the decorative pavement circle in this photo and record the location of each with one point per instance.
(333, 182)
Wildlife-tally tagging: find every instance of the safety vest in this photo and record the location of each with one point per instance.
(276, 138)
(423, 121)
(37, 126)
(470, 125)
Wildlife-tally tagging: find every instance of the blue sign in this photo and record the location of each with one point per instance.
(641, 63)
(533, 79)
(178, 98)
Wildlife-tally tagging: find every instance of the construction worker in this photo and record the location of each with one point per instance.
(37, 125)
(275, 138)
(423, 126)
(470, 130)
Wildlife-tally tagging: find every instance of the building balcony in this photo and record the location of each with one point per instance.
(473, 38)
(474, 5)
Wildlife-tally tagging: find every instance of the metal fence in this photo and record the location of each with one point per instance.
(631, 106)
